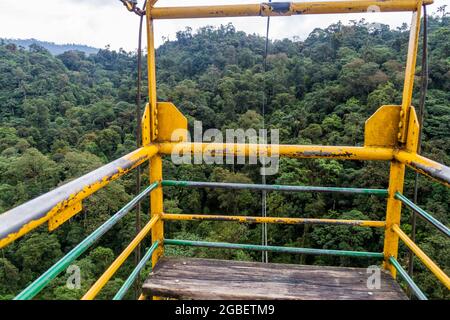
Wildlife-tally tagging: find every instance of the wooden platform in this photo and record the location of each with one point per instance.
(188, 278)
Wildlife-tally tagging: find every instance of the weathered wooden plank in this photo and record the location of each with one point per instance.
(189, 278)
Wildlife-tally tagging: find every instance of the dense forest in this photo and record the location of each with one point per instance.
(63, 116)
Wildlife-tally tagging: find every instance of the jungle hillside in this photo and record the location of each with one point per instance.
(64, 115)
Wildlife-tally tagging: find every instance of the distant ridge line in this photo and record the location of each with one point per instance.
(53, 48)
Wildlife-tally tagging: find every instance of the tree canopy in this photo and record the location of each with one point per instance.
(63, 116)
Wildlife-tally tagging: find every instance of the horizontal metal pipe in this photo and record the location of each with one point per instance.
(285, 9)
(250, 186)
(290, 151)
(22, 219)
(422, 213)
(412, 285)
(425, 166)
(34, 288)
(274, 220)
(224, 245)
(128, 283)
(422, 256)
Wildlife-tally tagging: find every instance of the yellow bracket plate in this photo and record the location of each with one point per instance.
(145, 125)
(172, 124)
(412, 140)
(62, 216)
(382, 127)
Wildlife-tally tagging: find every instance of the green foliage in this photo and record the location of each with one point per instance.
(9, 277)
(61, 117)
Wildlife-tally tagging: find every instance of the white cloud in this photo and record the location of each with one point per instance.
(102, 22)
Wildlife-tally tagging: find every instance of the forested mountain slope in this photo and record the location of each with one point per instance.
(63, 116)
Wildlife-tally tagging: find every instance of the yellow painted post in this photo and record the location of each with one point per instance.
(151, 68)
(141, 297)
(156, 196)
(410, 71)
(156, 206)
(397, 170)
(393, 214)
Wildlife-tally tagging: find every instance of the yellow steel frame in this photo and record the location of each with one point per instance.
(380, 144)
(290, 151)
(273, 220)
(413, 45)
(293, 8)
(422, 256)
(391, 134)
(393, 213)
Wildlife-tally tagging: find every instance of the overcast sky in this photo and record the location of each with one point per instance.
(101, 22)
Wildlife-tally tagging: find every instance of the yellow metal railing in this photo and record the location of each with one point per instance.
(101, 282)
(422, 256)
(391, 134)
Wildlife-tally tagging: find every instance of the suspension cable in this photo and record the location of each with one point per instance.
(421, 115)
(131, 6)
(265, 256)
(138, 226)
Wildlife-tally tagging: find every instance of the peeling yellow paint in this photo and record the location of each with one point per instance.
(274, 220)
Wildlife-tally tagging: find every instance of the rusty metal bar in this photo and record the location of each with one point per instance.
(250, 186)
(425, 166)
(24, 218)
(291, 151)
(412, 285)
(285, 9)
(274, 220)
(422, 213)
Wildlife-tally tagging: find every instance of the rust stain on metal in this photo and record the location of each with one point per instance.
(276, 8)
(279, 220)
(324, 154)
(216, 12)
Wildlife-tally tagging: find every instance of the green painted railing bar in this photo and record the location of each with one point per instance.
(249, 186)
(425, 215)
(225, 245)
(34, 288)
(129, 282)
(414, 288)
